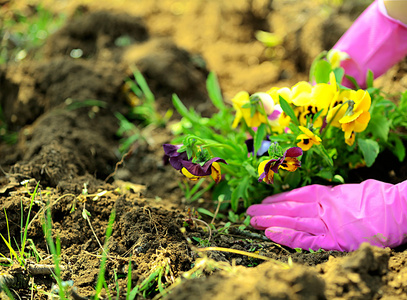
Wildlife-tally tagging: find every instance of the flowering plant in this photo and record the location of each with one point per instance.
(283, 138)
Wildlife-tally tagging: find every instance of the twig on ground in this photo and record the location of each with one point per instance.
(119, 163)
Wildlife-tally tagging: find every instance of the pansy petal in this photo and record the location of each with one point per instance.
(306, 131)
(178, 161)
(362, 122)
(290, 164)
(171, 150)
(261, 167)
(195, 169)
(216, 172)
(351, 139)
(241, 98)
(350, 118)
(362, 101)
(305, 144)
(206, 167)
(293, 152)
(302, 136)
(273, 165)
(189, 175)
(348, 128)
(237, 119)
(316, 139)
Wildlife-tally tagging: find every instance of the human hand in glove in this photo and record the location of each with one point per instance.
(377, 40)
(335, 218)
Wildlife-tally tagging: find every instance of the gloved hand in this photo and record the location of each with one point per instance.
(335, 218)
(375, 41)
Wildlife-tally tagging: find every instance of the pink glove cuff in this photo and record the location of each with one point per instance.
(375, 41)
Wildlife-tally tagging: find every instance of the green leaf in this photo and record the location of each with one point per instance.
(293, 179)
(339, 73)
(322, 71)
(212, 85)
(288, 110)
(320, 149)
(325, 174)
(314, 64)
(182, 110)
(353, 80)
(369, 78)
(379, 126)
(399, 150)
(370, 150)
(250, 169)
(240, 191)
(259, 137)
(144, 86)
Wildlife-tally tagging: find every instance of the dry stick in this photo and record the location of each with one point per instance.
(94, 233)
(207, 225)
(242, 253)
(221, 249)
(216, 212)
(119, 163)
(91, 228)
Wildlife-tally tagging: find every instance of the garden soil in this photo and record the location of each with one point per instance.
(67, 153)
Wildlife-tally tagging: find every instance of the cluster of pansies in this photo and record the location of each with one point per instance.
(315, 107)
(286, 137)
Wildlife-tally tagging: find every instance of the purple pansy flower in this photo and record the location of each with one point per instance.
(174, 157)
(195, 171)
(191, 170)
(287, 161)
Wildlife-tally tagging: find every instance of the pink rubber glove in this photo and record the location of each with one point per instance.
(375, 41)
(335, 218)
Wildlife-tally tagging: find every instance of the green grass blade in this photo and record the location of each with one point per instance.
(212, 85)
(28, 220)
(101, 276)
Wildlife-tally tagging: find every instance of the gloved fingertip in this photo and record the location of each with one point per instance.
(257, 222)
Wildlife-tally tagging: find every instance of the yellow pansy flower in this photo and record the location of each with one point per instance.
(258, 118)
(357, 115)
(308, 138)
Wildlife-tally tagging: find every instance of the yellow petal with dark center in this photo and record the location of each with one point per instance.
(216, 173)
(290, 164)
(305, 144)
